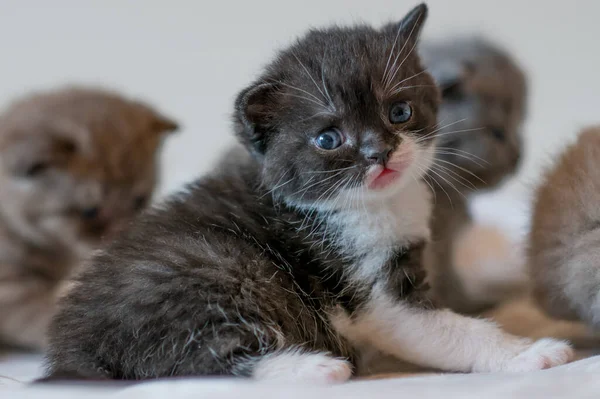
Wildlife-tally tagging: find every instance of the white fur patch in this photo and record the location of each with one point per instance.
(445, 340)
(300, 366)
(373, 234)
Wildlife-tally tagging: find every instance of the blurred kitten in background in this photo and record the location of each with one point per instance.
(479, 145)
(75, 166)
(564, 242)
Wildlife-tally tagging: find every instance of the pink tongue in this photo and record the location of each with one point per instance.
(385, 172)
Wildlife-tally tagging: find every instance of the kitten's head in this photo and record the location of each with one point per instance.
(76, 164)
(343, 109)
(483, 107)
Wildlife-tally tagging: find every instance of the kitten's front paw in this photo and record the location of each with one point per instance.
(328, 371)
(315, 368)
(540, 355)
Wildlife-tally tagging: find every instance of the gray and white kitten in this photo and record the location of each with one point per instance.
(282, 263)
(483, 106)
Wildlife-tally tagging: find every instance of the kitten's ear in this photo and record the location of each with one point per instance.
(451, 78)
(163, 125)
(254, 114)
(409, 28)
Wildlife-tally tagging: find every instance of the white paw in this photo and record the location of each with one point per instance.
(313, 368)
(327, 370)
(540, 355)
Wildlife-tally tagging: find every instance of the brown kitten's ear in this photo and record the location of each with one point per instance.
(254, 113)
(162, 124)
(451, 78)
(411, 25)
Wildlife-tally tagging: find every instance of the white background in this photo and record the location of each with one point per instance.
(189, 58)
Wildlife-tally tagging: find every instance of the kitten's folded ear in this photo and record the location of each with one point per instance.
(451, 77)
(254, 115)
(409, 28)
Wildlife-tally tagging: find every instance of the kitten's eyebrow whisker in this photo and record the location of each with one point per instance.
(307, 99)
(402, 88)
(390, 79)
(385, 71)
(448, 124)
(407, 55)
(311, 77)
(462, 131)
(331, 104)
(405, 58)
(391, 90)
(438, 129)
(447, 133)
(315, 115)
(302, 90)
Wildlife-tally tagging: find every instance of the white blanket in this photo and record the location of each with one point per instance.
(576, 380)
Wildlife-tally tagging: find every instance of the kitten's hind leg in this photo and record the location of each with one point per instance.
(297, 365)
(445, 340)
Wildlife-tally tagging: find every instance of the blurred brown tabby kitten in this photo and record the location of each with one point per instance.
(564, 242)
(75, 165)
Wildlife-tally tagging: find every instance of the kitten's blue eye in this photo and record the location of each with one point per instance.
(400, 112)
(329, 139)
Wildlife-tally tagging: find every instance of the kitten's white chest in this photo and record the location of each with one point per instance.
(372, 233)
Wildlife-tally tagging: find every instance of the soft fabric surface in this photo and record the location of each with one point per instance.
(578, 379)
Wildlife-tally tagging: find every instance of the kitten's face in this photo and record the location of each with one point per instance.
(77, 165)
(483, 107)
(343, 110)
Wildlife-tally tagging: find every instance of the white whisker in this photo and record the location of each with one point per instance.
(455, 176)
(310, 76)
(461, 168)
(393, 88)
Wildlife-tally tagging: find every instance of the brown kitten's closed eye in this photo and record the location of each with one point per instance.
(36, 169)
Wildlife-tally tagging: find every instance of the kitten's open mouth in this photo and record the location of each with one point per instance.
(382, 177)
